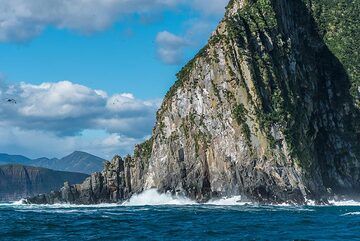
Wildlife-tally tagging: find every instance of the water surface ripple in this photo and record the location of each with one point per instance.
(178, 222)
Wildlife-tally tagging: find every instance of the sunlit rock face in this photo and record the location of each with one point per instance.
(265, 110)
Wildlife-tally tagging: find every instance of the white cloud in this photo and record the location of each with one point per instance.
(36, 143)
(59, 100)
(21, 20)
(58, 114)
(170, 47)
(210, 7)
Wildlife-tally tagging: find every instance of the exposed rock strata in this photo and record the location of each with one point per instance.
(263, 111)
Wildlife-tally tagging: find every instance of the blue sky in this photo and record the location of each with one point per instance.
(105, 56)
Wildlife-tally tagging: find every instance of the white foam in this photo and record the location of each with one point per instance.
(20, 202)
(67, 206)
(152, 197)
(228, 201)
(351, 214)
(344, 203)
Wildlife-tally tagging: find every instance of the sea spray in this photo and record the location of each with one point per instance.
(228, 201)
(152, 197)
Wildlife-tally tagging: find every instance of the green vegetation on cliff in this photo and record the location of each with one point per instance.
(339, 24)
(144, 149)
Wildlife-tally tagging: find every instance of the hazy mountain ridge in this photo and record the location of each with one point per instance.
(76, 162)
(13, 159)
(19, 181)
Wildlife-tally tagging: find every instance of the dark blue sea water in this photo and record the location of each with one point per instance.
(179, 222)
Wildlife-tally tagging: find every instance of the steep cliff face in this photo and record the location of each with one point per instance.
(18, 181)
(338, 23)
(264, 111)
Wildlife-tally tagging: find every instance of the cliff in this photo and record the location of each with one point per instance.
(265, 110)
(18, 181)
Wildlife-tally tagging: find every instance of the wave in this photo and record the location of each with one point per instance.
(152, 197)
(344, 203)
(228, 201)
(351, 214)
(22, 204)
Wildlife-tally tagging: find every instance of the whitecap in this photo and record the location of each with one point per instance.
(344, 203)
(152, 197)
(19, 202)
(228, 201)
(351, 214)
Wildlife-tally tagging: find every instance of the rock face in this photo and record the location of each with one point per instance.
(111, 185)
(264, 111)
(18, 181)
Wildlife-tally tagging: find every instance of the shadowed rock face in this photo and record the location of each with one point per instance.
(263, 111)
(18, 181)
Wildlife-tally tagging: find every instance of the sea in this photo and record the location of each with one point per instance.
(153, 216)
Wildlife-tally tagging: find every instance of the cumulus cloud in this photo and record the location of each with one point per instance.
(37, 143)
(21, 20)
(66, 108)
(60, 113)
(170, 47)
(210, 7)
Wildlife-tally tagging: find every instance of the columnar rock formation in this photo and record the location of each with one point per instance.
(264, 111)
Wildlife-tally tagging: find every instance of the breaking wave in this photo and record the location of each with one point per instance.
(344, 203)
(228, 201)
(351, 214)
(152, 197)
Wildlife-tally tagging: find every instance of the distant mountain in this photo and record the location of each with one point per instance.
(9, 159)
(76, 162)
(19, 181)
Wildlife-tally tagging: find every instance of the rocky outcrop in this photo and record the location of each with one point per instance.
(264, 111)
(18, 181)
(111, 185)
